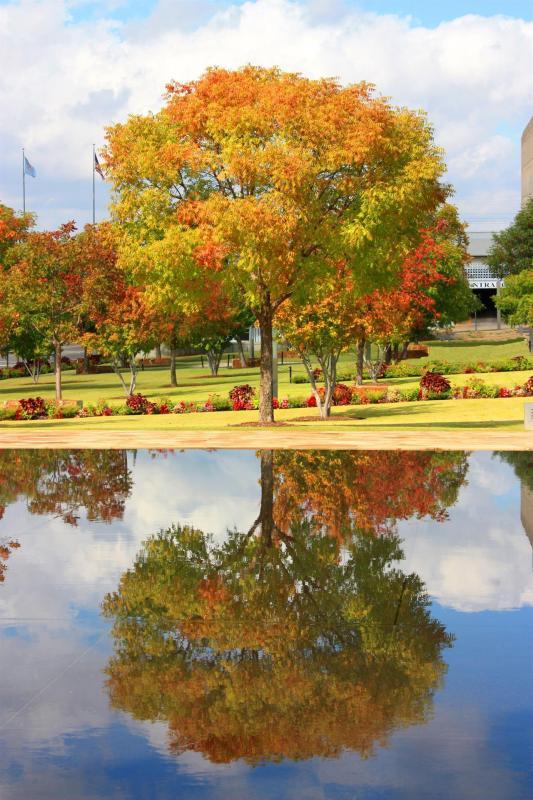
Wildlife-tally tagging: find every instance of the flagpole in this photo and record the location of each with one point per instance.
(23, 185)
(94, 202)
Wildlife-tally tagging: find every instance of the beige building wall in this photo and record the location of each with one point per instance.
(527, 162)
(526, 511)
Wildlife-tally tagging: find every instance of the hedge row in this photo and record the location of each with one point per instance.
(408, 369)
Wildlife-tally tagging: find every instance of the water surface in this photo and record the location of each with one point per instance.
(266, 625)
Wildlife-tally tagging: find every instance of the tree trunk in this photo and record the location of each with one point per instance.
(133, 376)
(213, 359)
(266, 412)
(85, 360)
(396, 352)
(158, 351)
(388, 354)
(266, 514)
(404, 351)
(116, 368)
(57, 365)
(244, 362)
(312, 380)
(173, 376)
(360, 362)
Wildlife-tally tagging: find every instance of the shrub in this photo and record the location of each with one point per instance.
(300, 378)
(31, 408)
(219, 403)
(296, 402)
(393, 396)
(241, 397)
(374, 396)
(280, 403)
(184, 408)
(528, 387)
(137, 404)
(342, 395)
(409, 395)
(435, 383)
(342, 377)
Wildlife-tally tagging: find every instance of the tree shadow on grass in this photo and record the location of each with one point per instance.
(458, 343)
(373, 413)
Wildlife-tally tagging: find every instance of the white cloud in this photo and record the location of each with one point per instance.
(62, 82)
(480, 559)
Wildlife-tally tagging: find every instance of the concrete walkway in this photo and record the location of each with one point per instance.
(257, 439)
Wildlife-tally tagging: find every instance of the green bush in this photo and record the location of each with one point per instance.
(406, 369)
(409, 395)
(220, 403)
(300, 378)
(296, 402)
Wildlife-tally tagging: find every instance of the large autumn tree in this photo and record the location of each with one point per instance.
(265, 179)
(230, 643)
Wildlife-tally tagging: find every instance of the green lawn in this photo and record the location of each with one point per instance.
(196, 384)
(501, 414)
(458, 352)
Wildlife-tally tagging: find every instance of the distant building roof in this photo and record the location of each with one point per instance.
(480, 243)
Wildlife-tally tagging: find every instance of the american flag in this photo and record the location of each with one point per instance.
(98, 168)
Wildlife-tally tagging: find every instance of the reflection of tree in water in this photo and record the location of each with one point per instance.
(375, 489)
(6, 549)
(522, 463)
(63, 482)
(281, 642)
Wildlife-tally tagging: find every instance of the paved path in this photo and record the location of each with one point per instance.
(256, 439)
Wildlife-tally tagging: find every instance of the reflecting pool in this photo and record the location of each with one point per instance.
(279, 624)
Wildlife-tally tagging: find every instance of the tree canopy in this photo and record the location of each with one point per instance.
(266, 179)
(512, 250)
(515, 299)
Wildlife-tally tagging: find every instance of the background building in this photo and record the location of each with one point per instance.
(527, 162)
(483, 283)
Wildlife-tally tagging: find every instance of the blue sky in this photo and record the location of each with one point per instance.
(69, 68)
(423, 12)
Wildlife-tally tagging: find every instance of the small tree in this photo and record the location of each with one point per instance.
(515, 300)
(512, 251)
(123, 329)
(45, 288)
(321, 329)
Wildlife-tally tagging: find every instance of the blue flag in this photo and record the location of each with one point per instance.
(28, 169)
